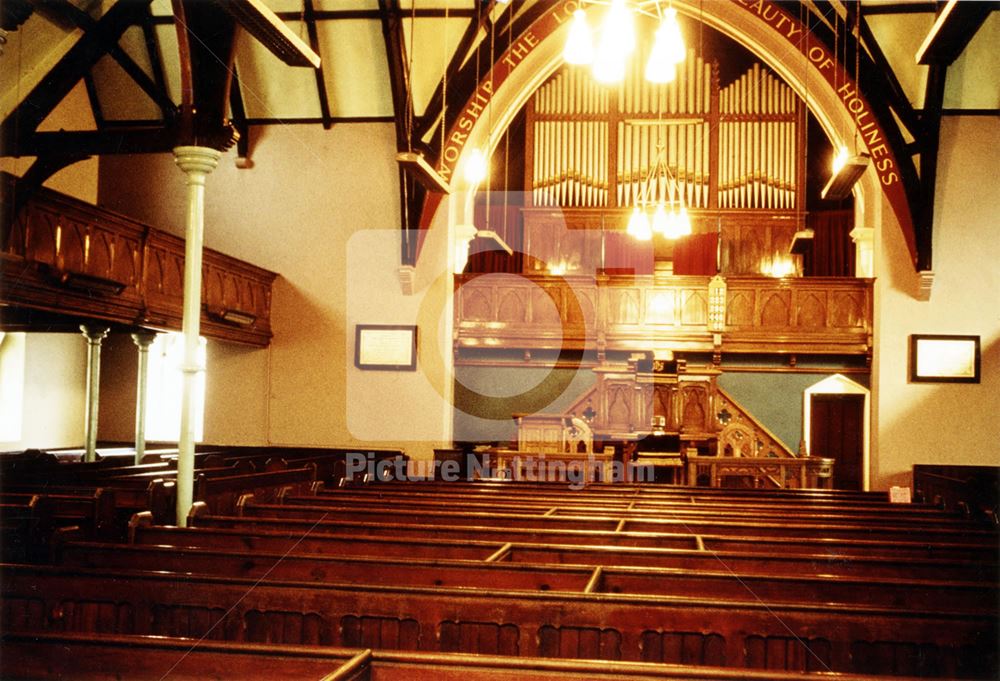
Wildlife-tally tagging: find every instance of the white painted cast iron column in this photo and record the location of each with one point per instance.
(94, 336)
(142, 341)
(197, 163)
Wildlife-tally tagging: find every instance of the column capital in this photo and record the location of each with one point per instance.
(197, 161)
(94, 334)
(144, 338)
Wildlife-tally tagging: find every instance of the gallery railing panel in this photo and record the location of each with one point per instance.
(702, 314)
(67, 257)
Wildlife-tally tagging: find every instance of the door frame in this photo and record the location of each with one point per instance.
(838, 384)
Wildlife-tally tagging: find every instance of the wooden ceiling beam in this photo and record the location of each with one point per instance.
(63, 77)
(270, 30)
(73, 14)
(309, 15)
(399, 73)
(238, 110)
(83, 143)
(465, 44)
(952, 30)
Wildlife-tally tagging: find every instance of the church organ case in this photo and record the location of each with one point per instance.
(735, 150)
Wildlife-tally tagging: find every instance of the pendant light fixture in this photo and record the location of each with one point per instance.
(616, 41)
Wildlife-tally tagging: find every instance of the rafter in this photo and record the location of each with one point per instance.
(66, 10)
(63, 77)
(465, 45)
(399, 74)
(309, 15)
(239, 113)
(135, 140)
(924, 215)
(952, 30)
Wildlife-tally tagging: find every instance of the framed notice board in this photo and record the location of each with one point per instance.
(936, 358)
(385, 347)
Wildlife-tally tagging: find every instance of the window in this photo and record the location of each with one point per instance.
(164, 385)
(11, 385)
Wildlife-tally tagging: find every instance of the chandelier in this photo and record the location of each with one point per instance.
(659, 204)
(615, 41)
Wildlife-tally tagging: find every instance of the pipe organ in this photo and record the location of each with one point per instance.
(758, 143)
(570, 167)
(738, 147)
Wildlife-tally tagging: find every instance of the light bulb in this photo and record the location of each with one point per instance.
(683, 222)
(672, 230)
(644, 232)
(638, 226)
(658, 70)
(672, 38)
(840, 160)
(668, 50)
(579, 47)
(475, 168)
(619, 27)
(609, 66)
(660, 221)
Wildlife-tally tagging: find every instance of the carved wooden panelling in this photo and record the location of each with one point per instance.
(282, 626)
(579, 642)
(905, 659)
(545, 305)
(789, 653)
(481, 638)
(59, 257)
(694, 307)
(66, 256)
(106, 617)
(23, 614)
(774, 309)
(689, 648)
(367, 631)
(194, 622)
(695, 409)
(618, 407)
(760, 314)
(847, 309)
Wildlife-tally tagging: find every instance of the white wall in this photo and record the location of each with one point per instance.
(54, 397)
(943, 423)
(321, 208)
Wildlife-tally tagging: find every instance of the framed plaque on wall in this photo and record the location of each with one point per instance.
(936, 358)
(386, 347)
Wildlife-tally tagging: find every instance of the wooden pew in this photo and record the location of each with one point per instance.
(623, 489)
(25, 528)
(674, 511)
(817, 561)
(85, 657)
(638, 503)
(621, 492)
(221, 493)
(546, 624)
(712, 535)
(92, 511)
(905, 593)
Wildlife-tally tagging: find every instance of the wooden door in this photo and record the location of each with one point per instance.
(838, 427)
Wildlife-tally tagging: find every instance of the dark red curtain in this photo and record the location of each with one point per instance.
(696, 254)
(623, 254)
(833, 253)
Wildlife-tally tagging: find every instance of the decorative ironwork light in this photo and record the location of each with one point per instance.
(658, 192)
